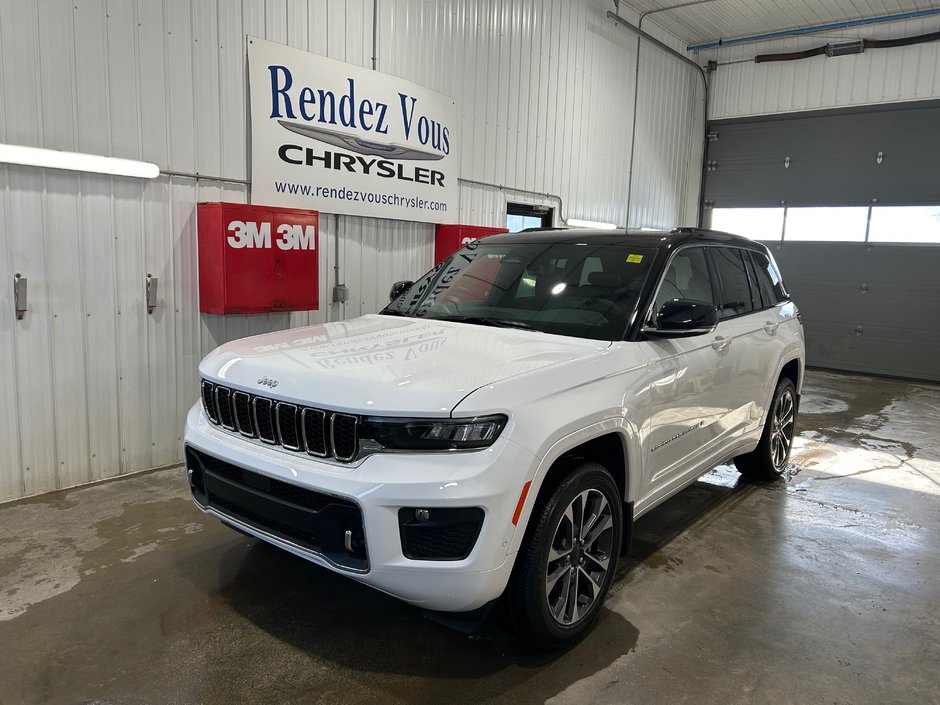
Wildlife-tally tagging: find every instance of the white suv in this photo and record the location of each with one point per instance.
(502, 423)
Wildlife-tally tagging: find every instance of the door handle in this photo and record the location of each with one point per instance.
(151, 291)
(721, 343)
(19, 296)
(771, 327)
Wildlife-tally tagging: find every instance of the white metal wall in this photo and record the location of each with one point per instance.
(92, 385)
(544, 90)
(669, 131)
(877, 76)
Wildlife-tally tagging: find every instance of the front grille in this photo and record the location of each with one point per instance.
(443, 535)
(223, 401)
(287, 428)
(327, 525)
(263, 421)
(314, 431)
(242, 403)
(208, 401)
(300, 429)
(345, 444)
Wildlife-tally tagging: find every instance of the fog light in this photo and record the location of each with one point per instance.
(447, 536)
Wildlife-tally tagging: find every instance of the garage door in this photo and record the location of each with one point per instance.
(849, 200)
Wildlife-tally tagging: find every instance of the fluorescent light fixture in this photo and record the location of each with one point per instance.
(76, 161)
(651, 230)
(590, 224)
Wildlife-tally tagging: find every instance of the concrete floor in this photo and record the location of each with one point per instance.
(820, 589)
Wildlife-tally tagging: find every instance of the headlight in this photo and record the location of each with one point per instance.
(434, 434)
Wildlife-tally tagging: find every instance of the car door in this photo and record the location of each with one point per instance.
(745, 347)
(686, 382)
(778, 315)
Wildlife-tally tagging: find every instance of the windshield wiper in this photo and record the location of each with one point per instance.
(483, 321)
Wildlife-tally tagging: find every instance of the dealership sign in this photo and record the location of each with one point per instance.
(338, 138)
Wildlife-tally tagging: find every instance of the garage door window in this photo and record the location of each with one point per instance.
(755, 223)
(919, 224)
(826, 224)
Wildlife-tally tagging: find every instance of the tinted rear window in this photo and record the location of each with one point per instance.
(768, 278)
(735, 297)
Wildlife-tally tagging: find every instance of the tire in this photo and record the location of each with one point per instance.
(769, 460)
(545, 611)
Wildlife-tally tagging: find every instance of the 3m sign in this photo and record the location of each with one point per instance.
(290, 237)
(257, 259)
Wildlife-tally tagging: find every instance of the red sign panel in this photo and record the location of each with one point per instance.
(257, 259)
(450, 238)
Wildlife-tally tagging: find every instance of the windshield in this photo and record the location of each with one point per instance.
(580, 290)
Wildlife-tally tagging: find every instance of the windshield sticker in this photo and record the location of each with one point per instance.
(635, 259)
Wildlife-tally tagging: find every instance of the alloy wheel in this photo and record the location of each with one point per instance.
(781, 431)
(579, 557)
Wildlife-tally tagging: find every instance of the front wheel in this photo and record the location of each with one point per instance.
(568, 559)
(769, 460)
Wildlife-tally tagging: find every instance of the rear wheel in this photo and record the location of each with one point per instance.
(769, 460)
(569, 558)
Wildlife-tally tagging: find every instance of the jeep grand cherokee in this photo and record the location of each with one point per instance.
(497, 428)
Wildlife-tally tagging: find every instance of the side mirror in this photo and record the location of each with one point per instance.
(399, 288)
(683, 317)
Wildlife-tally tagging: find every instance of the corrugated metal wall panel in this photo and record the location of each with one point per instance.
(877, 76)
(11, 477)
(545, 92)
(668, 131)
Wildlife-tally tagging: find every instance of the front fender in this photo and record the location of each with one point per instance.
(620, 425)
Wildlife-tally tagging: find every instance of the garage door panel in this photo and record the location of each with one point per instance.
(887, 263)
(866, 307)
(893, 310)
(846, 351)
(832, 157)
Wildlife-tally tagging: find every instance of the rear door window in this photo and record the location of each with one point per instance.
(760, 297)
(762, 281)
(735, 297)
(768, 278)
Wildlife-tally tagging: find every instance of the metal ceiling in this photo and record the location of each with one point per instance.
(710, 20)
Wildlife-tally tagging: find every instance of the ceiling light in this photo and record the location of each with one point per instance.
(76, 161)
(590, 224)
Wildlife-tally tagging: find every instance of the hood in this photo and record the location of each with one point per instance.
(387, 364)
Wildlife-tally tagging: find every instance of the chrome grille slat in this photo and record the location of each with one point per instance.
(344, 437)
(264, 421)
(223, 403)
(244, 418)
(287, 432)
(208, 401)
(319, 433)
(313, 431)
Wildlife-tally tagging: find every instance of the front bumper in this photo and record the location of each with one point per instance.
(382, 484)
